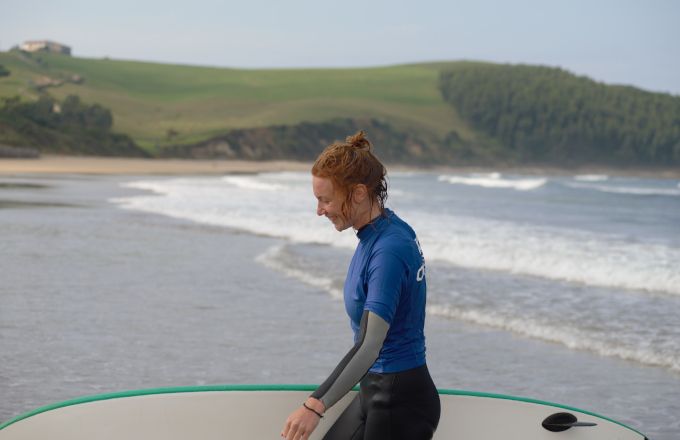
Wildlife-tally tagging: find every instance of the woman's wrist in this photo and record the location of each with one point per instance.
(309, 408)
(315, 404)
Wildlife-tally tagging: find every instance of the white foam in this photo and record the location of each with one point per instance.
(572, 338)
(642, 191)
(252, 183)
(603, 342)
(569, 337)
(289, 176)
(591, 177)
(477, 243)
(553, 253)
(273, 259)
(287, 212)
(494, 180)
(403, 174)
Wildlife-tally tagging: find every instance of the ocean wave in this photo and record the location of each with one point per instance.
(552, 253)
(605, 344)
(591, 177)
(404, 174)
(288, 214)
(152, 186)
(253, 183)
(287, 176)
(494, 180)
(483, 244)
(275, 258)
(549, 252)
(571, 338)
(633, 190)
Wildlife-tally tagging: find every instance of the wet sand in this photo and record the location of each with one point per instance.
(134, 166)
(53, 164)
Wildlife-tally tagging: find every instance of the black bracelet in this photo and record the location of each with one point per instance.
(312, 410)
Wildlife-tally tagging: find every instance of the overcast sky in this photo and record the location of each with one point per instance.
(617, 41)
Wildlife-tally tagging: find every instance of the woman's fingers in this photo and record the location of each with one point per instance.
(300, 425)
(292, 430)
(294, 434)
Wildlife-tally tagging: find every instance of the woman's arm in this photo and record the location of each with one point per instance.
(372, 332)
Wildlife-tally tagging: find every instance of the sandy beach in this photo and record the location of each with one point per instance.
(133, 166)
(53, 164)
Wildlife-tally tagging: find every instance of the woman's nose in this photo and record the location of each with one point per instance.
(319, 209)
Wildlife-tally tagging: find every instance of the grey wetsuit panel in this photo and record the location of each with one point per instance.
(372, 332)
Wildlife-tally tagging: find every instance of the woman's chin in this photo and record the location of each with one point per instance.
(339, 225)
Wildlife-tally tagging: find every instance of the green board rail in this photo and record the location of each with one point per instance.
(305, 387)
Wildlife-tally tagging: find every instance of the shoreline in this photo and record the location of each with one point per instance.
(49, 164)
(548, 170)
(54, 164)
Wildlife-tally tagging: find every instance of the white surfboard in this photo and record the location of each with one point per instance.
(259, 411)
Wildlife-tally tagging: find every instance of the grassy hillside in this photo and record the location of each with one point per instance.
(149, 100)
(447, 112)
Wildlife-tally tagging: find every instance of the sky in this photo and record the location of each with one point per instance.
(617, 42)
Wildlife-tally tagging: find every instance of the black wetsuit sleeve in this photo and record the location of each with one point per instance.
(372, 332)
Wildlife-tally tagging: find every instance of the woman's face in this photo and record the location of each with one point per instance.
(329, 202)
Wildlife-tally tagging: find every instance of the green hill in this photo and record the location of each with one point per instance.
(545, 114)
(447, 112)
(159, 104)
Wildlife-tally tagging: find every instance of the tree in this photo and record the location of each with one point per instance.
(546, 114)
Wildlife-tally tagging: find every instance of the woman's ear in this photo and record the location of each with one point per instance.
(359, 193)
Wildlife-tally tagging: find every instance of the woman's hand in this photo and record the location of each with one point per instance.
(302, 422)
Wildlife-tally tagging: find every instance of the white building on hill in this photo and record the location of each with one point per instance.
(45, 46)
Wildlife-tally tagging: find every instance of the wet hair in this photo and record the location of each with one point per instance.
(351, 163)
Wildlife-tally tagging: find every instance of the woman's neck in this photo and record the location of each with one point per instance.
(367, 218)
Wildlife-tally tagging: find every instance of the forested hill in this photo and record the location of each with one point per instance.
(434, 113)
(542, 114)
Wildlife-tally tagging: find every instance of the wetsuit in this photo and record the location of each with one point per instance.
(385, 294)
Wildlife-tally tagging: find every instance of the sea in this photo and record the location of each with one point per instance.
(562, 288)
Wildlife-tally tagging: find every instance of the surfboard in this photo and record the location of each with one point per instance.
(259, 411)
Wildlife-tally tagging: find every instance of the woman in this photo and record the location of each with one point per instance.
(384, 295)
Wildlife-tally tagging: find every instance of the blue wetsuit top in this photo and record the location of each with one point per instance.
(387, 277)
(385, 294)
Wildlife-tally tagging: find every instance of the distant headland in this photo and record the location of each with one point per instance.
(449, 113)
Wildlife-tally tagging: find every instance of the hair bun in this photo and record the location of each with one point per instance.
(359, 141)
